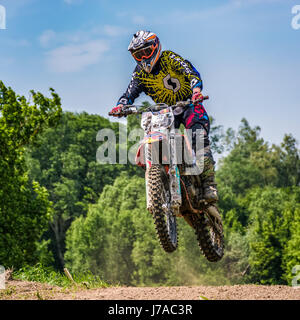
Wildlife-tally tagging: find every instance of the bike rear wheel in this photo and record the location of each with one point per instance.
(164, 219)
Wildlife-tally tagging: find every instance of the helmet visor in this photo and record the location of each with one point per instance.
(144, 53)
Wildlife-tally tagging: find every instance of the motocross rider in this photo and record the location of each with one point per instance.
(167, 78)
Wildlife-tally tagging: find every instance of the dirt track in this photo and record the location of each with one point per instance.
(23, 290)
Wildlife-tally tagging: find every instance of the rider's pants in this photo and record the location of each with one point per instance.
(195, 117)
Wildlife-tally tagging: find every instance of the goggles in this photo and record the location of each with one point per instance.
(144, 53)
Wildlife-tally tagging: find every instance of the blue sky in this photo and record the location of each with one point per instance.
(246, 51)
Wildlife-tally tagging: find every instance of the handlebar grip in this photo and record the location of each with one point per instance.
(200, 100)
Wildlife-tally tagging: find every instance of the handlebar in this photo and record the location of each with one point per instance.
(130, 109)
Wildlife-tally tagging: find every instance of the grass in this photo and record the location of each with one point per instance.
(43, 274)
(7, 292)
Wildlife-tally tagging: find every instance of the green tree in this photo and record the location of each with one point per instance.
(102, 242)
(291, 251)
(24, 206)
(117, 240)
(251, 163)
(272, 218)
(239, 171)
(288, 163)
(65, 163)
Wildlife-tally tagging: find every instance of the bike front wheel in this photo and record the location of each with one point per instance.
(164, 219)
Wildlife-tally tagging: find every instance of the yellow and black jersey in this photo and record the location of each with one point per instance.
(171, 80)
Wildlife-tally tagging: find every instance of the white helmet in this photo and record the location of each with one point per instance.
(145, 48)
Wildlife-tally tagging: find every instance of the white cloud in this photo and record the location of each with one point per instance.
(46, 38)
(76, 50)
(76, 57)
(114, 31)
(50, 38)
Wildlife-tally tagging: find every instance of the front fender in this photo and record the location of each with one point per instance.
(150, 139)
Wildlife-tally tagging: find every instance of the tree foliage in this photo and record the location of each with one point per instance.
(24, 206)
(259, 197)
(65, 163)
(272, 221)
(117, 241)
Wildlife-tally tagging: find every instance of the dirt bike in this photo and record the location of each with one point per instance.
(171, 190)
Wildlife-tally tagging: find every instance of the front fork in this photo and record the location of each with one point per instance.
(174, 176)
(173, 172)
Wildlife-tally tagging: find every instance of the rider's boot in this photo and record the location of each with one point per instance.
(210, 193)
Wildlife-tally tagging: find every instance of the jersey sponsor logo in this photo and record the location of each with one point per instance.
(171, 83)
(182, 63)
